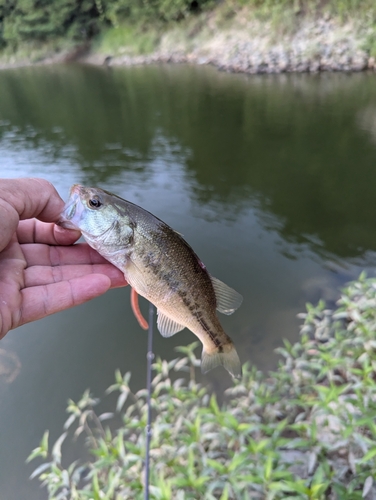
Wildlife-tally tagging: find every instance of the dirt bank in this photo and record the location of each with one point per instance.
(252, 46)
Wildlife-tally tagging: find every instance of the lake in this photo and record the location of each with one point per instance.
(271, 179)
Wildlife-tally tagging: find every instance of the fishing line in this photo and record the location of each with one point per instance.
(149, 357)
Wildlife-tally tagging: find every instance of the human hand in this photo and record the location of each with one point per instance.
(41, 271)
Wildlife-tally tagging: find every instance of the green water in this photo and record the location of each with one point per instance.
(271, 179)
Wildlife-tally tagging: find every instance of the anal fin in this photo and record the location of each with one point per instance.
(167, 326)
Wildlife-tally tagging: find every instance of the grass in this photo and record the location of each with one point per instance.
(34, 52)
(304, 431)
(276, 18)
(126, 39)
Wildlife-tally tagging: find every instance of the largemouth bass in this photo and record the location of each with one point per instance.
(160, 265)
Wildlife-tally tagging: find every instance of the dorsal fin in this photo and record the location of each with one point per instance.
(228, 300)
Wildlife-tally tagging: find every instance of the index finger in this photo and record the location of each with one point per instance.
(25, 199)
(32, 197)
(35, 231)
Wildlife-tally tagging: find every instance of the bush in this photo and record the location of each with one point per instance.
(25, 20)
(152, 10)
(42, 20)
(305, 431)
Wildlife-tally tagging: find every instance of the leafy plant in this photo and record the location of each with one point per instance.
(304, 431)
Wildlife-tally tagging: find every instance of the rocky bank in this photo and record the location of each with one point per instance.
(251, 46)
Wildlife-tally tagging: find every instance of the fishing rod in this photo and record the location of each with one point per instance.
(149, 357)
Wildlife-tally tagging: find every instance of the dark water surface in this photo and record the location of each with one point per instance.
(271, 179)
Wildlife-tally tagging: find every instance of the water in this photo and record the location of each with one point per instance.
(271, 179)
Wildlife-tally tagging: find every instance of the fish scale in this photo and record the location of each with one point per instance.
(161, 266)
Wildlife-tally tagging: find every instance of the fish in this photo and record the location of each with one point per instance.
(159, 265)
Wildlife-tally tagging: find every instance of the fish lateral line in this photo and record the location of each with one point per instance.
(214, 337)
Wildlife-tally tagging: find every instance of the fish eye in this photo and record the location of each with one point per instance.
(95, 203)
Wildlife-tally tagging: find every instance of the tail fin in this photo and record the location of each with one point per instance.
(225, 356)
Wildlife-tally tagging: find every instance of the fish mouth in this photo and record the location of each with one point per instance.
(69, 210)
(76, 189)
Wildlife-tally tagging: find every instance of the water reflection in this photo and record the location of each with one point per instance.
(291, 144)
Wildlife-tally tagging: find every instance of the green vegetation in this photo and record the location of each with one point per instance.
(305, 431)
(341, 7)
(35, 20)
(26, 25)
(127, 38)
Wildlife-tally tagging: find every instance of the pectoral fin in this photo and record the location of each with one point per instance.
(167, 326)
(228, 300)
(136, 279)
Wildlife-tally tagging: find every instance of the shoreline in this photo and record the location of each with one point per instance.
(244, 45)
(255, 47)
